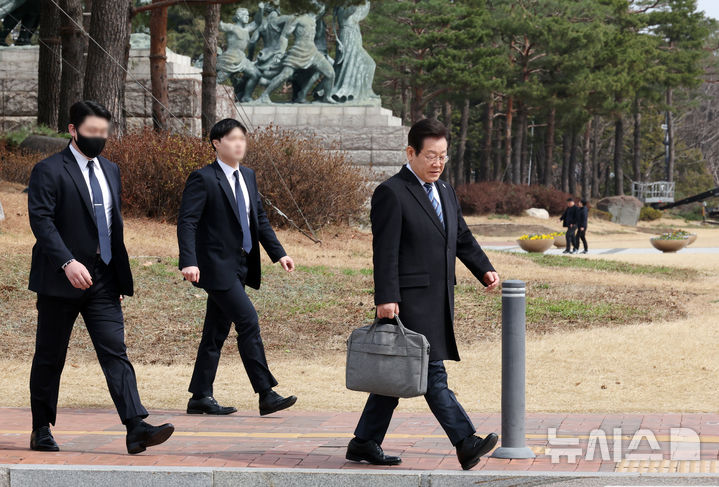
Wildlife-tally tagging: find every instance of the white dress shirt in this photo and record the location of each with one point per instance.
(104, 186)
(229, 172)
(435, 191)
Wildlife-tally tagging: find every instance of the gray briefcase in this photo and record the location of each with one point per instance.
(387, 359)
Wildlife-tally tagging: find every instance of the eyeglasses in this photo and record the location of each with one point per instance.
(435, 158)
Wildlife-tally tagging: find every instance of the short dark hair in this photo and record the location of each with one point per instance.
(425, 129)
(583, 202)
(224, 127)
(570, 199)
(81, 109)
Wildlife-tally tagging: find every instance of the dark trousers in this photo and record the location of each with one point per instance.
(449, 412)
(570, 237)
(580, 235)
(223, 309)
(101, 310)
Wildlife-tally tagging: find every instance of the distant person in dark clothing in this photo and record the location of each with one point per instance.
(570, 218)
(582, 216)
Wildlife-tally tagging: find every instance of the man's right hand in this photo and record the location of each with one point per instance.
(387, 310)
(78, 275)
(191, 273)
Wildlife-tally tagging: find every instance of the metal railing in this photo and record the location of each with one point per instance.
(655, 192)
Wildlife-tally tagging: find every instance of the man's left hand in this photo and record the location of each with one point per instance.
(287, 263)
(491, 279)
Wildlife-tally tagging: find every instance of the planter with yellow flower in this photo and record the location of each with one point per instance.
(669, 242)
(560, 239)
(537, 242)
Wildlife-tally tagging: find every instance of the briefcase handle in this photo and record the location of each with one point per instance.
(369, 338)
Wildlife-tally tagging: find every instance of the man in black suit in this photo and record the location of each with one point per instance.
(582, 217)
(569, 220)
(417, 233)
(80, 266)
(219, 229)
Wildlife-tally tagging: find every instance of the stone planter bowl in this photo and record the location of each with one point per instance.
(540, 245)
(669, 245)
(692, 238)
(560, 241)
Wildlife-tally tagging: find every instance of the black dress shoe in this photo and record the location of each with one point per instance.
(144, 435)
(369, 451)
(471, 448)
(208, 405)
(41, 440)
(273, 402)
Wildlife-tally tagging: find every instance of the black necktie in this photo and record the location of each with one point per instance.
(103, 233)
(239, 195)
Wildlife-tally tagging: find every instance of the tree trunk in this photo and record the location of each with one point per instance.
(595, 158)
(86, 16)
(486, 172)
(158, 67)
(517, 150)
(524, 153)
(537, 158)
(49, 66)
(463, 142)
(566, 154)
(586, 162)
(572, 171)
(637, 151)
(447, 114)
(447, 121)
(105, 74)
(498, 176)
(416, 103)
(549, 147)
(508, 137)
(670, 134)
(209, 69)
(618, 154)
(405, 101)
(74, 44)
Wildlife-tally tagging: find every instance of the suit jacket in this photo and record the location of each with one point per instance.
(63, 221)
(583, 215)
(209, 232)
(570, 216)
(414, 257)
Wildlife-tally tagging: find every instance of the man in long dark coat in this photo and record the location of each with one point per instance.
(418, 232)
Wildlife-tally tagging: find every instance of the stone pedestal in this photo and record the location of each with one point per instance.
(370, 135)
(18, 90)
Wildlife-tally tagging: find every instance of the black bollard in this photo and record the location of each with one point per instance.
(514, 304)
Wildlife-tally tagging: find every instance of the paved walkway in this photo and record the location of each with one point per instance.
(317, 440)
(513, 247)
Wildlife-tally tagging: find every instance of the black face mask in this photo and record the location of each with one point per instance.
(90, 146)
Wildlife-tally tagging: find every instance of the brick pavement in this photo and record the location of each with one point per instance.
(317, 440)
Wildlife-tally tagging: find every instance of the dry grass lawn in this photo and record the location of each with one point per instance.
(597, 340)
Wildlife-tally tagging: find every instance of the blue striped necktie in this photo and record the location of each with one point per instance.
(433, 200)
(103, 232)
